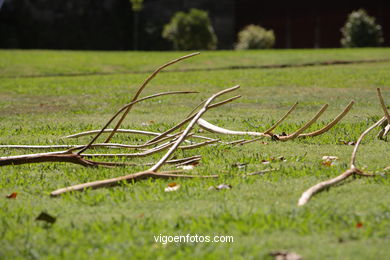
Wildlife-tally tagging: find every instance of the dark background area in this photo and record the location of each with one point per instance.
(108, 24)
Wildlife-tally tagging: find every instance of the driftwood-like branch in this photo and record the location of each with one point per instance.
(152, 172)
(386, 125)
(68, 156)
(128, 178)
(268, 133)
(62, 156)
(197, 116)
(126, 109)
(351, 171)
(331, 124)
(185, 121)
(142, 88)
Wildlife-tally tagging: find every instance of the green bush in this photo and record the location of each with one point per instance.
(360, 30)
(190, 31)
(255, 37)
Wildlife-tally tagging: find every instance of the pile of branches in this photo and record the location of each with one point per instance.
(178, 138)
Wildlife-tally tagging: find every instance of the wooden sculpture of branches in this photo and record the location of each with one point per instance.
(353, 170)
(151, 172)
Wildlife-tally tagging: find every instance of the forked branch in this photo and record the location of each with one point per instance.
(152, 172)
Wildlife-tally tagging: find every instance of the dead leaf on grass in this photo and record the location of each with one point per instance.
(284, 255)
(173, 186)
(12, 195)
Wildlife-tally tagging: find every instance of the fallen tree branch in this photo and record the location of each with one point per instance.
(268, 133)
(128, 178)
(142, 88)
(305, 197)
(386, 125)
(152, 172)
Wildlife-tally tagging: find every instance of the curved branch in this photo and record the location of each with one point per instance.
(126, 107)
(268, 131)
(142, 88)
(128, 178)
(331, 124)
(307, 125)
(197, 116)
(355, 149)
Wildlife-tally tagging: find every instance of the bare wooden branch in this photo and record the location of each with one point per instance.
(323, 185)
(142, 88)
(128, 178)
(179, 125)
(307, 125)
(331, 124)
(197, 116)
(355, 149)
(219, 130)
(305, 197)
(152, 172)
(62, 156)
(125, 108)
(269, 131)
(382, 102)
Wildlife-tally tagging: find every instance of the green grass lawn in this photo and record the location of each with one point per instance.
(45, 95)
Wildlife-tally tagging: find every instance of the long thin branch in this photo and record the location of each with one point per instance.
(190, 118)
(305, 197)
(219, 130)
(125, 108)
(62, 156)
(151, 173)
(203, 110)
(128, 178)
(355, 149)
(142, 88)
(387, 115)
(307, 125)
(331, 124)
(268, 131)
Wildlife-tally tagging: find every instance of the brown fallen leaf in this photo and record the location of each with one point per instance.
(173, 186)
(46, 217)
(327, 163)
(284, 255)
(265, 161)
(359, 225)
(12, 195)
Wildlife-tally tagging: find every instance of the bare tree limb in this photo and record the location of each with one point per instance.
(268, 131)
(126, 107)
(152, 172)
(331, 124)
(128, 178)
(142, 88)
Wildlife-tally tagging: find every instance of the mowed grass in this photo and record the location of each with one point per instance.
(259, 211)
